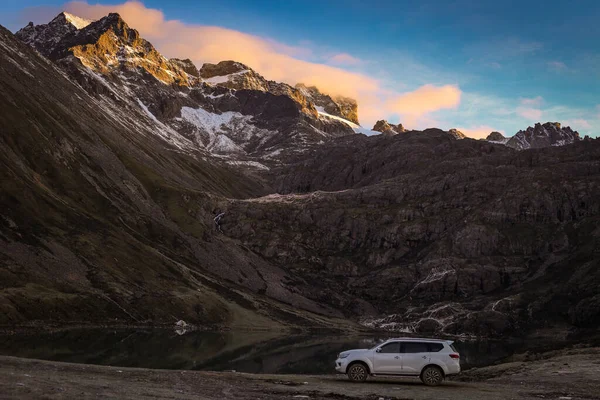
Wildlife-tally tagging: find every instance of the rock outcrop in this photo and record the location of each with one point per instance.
(388, 129)
(340, 106)
(225, 108)
(543, 135)
(456, 133)
(109, 199)
(496, 137)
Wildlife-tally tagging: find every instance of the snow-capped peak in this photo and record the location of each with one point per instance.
(76, 21)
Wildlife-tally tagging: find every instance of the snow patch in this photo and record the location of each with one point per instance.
(254, 164)
(224, 78)
(357, 128)
(76, 21)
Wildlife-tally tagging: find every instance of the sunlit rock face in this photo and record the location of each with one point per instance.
(225, 108)
(340, 106)
(389, 129)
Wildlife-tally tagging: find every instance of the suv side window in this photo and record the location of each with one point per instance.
(415, 347)
(393, 347)
(435, 347)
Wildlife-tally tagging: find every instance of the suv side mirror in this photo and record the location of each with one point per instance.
(378, 350)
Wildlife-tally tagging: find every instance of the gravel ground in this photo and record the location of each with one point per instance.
(564, 375)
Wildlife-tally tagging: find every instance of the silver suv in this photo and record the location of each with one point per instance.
(432, 360)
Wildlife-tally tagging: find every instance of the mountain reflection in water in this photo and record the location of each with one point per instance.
(253, 352)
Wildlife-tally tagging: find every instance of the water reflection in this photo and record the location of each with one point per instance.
(255, 352)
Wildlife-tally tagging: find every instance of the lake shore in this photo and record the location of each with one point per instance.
(570, 373)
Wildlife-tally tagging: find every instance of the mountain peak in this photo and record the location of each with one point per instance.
(456, 133)
(495, 137)
(74, 20)
(388, 129)
(543, 135)
(223, 68)
(343, 107)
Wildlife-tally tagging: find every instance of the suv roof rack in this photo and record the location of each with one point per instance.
(422, 339)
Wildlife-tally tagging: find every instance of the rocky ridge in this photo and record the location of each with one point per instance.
(388, 129)
(245, 120)
(418, 232)
(543, 135)
(340, 106)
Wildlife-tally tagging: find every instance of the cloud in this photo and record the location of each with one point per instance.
(276, 61)
(532, 114)
(536, 101)
(578, 123)
(344, 59)
(530, 108)
(557, 66)
(426, 99)
(479, 132)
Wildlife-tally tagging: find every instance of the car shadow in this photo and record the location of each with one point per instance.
(406, 382)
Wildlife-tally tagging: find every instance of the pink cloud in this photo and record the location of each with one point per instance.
(532, 114)
(479, 132)
(344, 59)
(578, 123)
(275, 60)
(426, 99)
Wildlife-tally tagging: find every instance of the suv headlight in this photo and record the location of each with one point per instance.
(343, 355)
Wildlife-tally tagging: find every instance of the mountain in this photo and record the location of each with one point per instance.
(248, 119)
(340, 106)
(113, 174)
(104, 221)
(548, 134)
(496, 137)
(456, 133)
(389, 129)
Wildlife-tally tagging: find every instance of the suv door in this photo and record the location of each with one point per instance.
(415, 355)
(387, 359)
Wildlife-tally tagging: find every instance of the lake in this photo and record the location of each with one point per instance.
(254, 352)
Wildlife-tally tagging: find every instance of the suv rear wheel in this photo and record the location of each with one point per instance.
(358, 372)
(432, 376)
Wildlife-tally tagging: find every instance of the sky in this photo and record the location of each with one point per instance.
(478, 66)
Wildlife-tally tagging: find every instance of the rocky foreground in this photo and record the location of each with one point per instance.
(568, 374)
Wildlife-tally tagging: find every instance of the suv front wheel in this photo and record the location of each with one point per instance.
(358, 372)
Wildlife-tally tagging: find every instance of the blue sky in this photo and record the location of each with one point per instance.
(514, 62)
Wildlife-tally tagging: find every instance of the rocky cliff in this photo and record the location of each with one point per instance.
(340, 106)
(225, 109)
(115, 173)
(543, 135)
(389, 129)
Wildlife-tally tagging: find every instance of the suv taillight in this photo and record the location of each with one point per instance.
(454, 355)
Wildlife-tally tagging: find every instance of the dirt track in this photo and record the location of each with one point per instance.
(573, 374)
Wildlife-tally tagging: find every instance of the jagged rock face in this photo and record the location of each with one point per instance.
(105, 46)
(438, 234)
(343, 107)
(237, 76)
(496, 137)
(546, 135)
(187, 65)
(233, 75)
(388, 129)
(418, 231)
(46, 38)
(456, 133)
(116, 226)
(219, 115)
